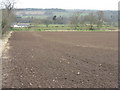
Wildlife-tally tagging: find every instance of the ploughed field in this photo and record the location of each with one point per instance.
(61, 60)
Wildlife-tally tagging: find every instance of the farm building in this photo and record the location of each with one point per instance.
(18, 25)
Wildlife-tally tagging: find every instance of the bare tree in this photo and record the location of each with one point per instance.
(91, 20)
(100, 19)
(75, 20)
(46, 22)
(7, 14)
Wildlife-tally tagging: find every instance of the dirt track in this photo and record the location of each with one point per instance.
(61, 60)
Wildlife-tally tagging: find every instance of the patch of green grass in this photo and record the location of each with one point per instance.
(59, 27)
(31, 29)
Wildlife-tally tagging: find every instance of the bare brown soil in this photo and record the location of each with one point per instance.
(61, 60)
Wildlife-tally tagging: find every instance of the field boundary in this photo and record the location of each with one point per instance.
(4, 41)
(60, 30)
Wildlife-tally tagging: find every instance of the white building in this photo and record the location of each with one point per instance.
(20, 25)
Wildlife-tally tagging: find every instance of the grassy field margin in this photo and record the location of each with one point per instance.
(3, 43)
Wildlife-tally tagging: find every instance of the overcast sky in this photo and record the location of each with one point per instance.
(69, 4)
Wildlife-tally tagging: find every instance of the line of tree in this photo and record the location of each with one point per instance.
(90, 20)
(93, 20)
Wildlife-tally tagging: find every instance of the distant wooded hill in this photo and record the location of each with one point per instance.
(109, 15)
(61, 12)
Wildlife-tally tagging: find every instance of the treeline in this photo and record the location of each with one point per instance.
(38, 9)
(77, 20)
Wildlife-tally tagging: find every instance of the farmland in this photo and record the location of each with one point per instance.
(64, 27)
(35, 59)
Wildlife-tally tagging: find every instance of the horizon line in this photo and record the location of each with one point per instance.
(66, 9)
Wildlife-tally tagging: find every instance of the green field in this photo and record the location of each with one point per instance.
(62, 27)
